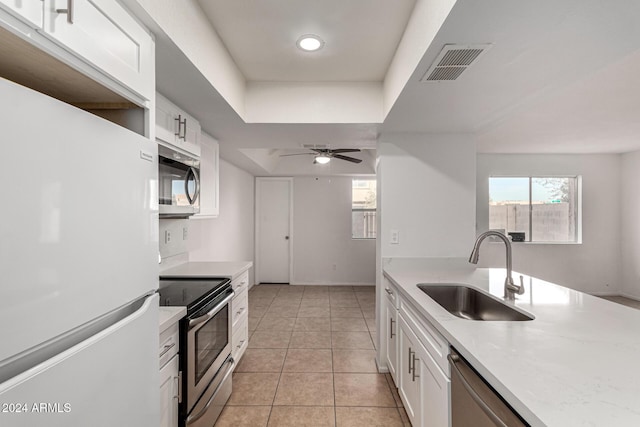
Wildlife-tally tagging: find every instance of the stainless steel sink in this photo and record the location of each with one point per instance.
(469, 303)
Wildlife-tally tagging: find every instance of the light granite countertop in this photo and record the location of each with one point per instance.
(170, 315)
(208, 269)
(575, 364)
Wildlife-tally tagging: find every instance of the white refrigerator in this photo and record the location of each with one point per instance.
(78, 267)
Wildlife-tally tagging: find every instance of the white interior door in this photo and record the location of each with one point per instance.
(273, 229)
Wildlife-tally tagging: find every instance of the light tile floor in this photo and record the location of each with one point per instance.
(310, 362)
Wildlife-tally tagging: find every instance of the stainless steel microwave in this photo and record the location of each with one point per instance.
(178, 183)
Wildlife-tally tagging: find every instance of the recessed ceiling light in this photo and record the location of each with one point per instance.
(310, 43)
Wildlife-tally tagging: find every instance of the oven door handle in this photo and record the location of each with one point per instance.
(201, 319)
(193, 418)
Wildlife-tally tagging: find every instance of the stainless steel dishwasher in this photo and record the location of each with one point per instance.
(473, 402)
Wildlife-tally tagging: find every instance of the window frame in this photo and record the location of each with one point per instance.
(362, 209)
(578, 203)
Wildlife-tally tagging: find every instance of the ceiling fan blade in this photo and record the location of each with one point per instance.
(347, 158)
(345, 150)
(297, 154)
(320, 150)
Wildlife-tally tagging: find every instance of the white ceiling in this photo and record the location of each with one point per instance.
(561, 77)
(361, 37)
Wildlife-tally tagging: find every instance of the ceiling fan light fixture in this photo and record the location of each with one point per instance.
(310, 43)
(323, 159)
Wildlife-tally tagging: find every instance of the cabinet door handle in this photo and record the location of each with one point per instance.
(389, 291)
(166, 348)
(181, 122)
(409, 361)
(391, 322)
(414, 367)
(68, 11)
(179, 386)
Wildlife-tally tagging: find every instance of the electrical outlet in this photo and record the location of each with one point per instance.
(185, 233)
(167, 236)
(395, 237)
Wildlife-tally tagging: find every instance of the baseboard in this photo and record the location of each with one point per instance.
(633, 297)
(382, 369)
(604, 294)
(615, 294)
(332, 284)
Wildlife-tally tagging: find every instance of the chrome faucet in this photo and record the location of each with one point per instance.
(510, 289)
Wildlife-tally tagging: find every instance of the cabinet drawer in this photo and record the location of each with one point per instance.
(240, 306)
(391, 293)
(168, 344)
(435, 344)
(240, 339)
(241, 282)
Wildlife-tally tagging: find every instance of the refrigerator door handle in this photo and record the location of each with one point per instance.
(40, 358)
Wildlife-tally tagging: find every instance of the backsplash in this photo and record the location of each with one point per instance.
(174, 234)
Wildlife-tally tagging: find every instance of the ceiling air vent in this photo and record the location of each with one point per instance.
(452, 61)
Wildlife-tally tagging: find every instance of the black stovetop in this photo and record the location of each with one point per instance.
(188, 291)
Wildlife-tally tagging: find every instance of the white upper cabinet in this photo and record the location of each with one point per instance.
(209, 178)
(176, 127)
(28, 10)
(104, 34)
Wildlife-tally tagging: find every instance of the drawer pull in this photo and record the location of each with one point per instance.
(414, 367)
(68, 11)
(391, 322)
(166, 348)
(239, 311)
(240, 345)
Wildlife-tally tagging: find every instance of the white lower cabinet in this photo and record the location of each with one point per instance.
(408, 373)
(415, 351)
(169, 388)
(391, 332)
(170, 392)
(240, 316)
(30, 11)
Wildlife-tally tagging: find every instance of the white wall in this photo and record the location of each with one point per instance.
(426, 191)
(630, 225)
(229, 237)
(427, 185)
(323, 250)
(593, 266)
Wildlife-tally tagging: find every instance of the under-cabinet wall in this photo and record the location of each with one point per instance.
(229, 237)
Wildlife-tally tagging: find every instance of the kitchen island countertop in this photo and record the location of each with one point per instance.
(575, 364)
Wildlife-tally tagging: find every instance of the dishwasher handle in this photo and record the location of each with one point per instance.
(453, 361)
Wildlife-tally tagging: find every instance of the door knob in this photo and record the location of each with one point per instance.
(286, 237)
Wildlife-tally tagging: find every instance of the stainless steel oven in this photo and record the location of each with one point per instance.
(205, 345)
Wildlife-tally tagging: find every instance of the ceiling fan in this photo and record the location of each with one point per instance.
(324, 155)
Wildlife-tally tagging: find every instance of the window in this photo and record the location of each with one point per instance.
(363, 209)
(545, 209)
